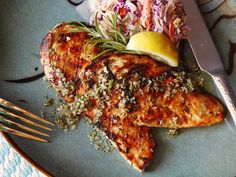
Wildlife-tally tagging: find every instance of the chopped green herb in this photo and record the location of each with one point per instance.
(42, 114)
(66, 119)
(111, 84)
(48, 102)
(51, 50)
(173, 132)
(78, 96)
(98, 91)
(131, 87)
(100, 141)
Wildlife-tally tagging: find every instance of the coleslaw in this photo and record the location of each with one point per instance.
(163, 16)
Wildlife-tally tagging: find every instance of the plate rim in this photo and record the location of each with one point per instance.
(22, 154)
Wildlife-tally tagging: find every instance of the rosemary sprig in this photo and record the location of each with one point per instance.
(110, 39)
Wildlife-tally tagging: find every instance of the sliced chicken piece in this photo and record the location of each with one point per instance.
(154, 94)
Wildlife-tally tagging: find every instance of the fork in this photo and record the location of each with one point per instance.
(9, 125)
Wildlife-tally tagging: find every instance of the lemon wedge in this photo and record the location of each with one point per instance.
(155, 45)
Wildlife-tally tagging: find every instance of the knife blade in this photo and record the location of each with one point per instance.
(208, 58)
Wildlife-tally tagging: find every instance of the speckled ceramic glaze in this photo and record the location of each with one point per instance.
(206, 152)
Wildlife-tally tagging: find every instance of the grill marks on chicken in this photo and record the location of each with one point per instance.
(152, 94)
(86, 96)
(62, 55)
(124, 94)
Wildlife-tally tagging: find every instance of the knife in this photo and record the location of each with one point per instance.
(208, 58)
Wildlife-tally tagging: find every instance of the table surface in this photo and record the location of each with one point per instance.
(220, 16)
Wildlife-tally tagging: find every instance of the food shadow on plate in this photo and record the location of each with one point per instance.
(160, 151)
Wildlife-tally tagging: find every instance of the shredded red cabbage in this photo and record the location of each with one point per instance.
(164, 16)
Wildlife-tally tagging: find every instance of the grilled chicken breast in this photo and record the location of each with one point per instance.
(62, 55)
(124, 94)
(155, 95)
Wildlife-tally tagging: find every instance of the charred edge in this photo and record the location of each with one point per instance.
(75, 3)
(27, 79)
(91, 83)
(138, 68)
(95, 62)
(62, 25)
(110, 74)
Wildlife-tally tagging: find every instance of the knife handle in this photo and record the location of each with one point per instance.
(223, 84)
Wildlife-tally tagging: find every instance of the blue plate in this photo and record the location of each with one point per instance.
(207, 151)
